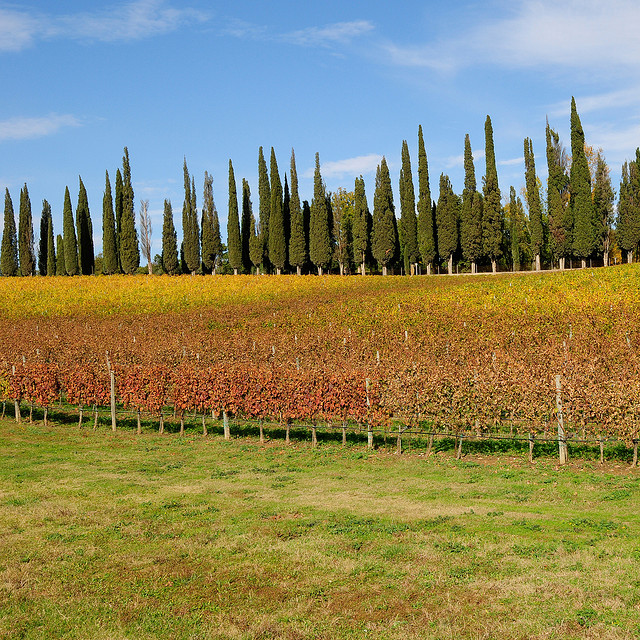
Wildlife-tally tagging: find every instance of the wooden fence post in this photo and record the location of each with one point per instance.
(399, 440)
(225, 425)
(635, 452)
(562, 442)
(112, 377)
(531, 443)
(459, 452)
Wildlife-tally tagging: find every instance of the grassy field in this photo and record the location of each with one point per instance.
(122, 536)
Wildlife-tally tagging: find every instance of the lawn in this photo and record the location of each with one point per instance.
(122, 536)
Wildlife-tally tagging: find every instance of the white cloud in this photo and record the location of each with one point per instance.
(458, 161)
(131, 21)
(337, 33)
(22, 128)
(349, 167)
(510, 162)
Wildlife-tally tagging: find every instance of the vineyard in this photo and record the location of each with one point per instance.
(461, 354)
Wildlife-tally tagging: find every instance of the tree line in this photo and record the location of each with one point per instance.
(337, 231)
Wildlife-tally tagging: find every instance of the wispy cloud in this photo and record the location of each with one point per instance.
(23, 128)
(349, 167)
(458, 161)
(20, 28)
(510, 162)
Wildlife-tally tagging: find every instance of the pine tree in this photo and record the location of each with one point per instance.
(264, 207)
(471, 212)
(447, 212)
(558, 211)
(129, 249)
(51, 246)
(319, 235)
(61, 268)
(25, 235)
(43, 245)
(9, 259)
(408, 221)
(585, 228)
(277, 238)
(533, 202)
(69, 235)
(384, 238)
(359, 229)
(492, 209)
(118, 209)
(298, 253)
(426, 226)
(109, 246)
(234, 245)
(85, 234)
(245, 226)
(210, 229)
(170, 264)
(190, 232)
(603, 198)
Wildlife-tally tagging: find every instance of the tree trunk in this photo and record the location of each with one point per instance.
(341, 265)
(450, 264)
(629, 257)
(17, 411)
(139, 422)
(429, 269)
(363, 269)
(261, 432)
(225, 425)
(182, 423)
(80, 415)
(319, 271)
(298, 270)
(204, 424)
(287, 434)
(494, 266)
(235, 271)
(278, 271)
(46, 410)
(537, 262)
(161, 427)
(605, 259)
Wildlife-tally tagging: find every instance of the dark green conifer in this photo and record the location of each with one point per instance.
(109, 246)
(408, 221)
(245, 226)
(129, 248)
(603, 198)
(319, 234)
(558, 211)
(298, 253)
(211, 241)
(190, 233)
(492, 209)
(471, 212)
(277, 238)
(384, 238)
(43, 244)
(447, 213)
(69, 235)
(26, 248)
(170, 262)
(85, 233)
(234, 244)
(118, 209)
(264, 207)
(426, 223)
(255, 244)
(61, 269)
(51, 246)
(536, 227)
(9, 265)
(359, 227)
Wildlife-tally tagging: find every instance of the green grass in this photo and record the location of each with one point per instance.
(123, 536)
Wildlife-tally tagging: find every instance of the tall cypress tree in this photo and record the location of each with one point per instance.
(533, 202)
(43, 245)
(190, 236)
(264, 207)
(408, 220)
(9, 258)
(69, 235)
(603, 198)
(628, 219)
(109, 246)
(25, 235)
(558, 211)
(585, 227)
(129, 248)
(492, 209)
(245, 226)
(447, 212)
(384, 233)
(298, 253)
(61, 268)
(85, 234)
(51, 246)
(319, 229)
(211, 242)
(118, 210)
(234, 244)
(426, 225)
(277, 239)
(470, 215)
(255, 244)
(170, 264)
(359, 228)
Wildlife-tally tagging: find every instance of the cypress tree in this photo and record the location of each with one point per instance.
(384, 234)
(582, 210)
(255, 244)
(533, 202)
(61, 269)
(264, 207)
(25, 235)
(9, 258)
(170, 264)
(109, 246)
(69, 235)
(492, 209)
(471, 211)
(245, 226)
(306, 223)
(43, 245)
(118, 209)
(277, 239)
(234, 245)
(628, 219)
(603, 198)
(359, 228)
(190, 233)
(447, 212)
(211, 241)
(51, 246)
(286, 216)
(319, 234)
(558, 211)
(85, 235)
(408, 220)
(298, 253)
(426, 226)
(129, 249)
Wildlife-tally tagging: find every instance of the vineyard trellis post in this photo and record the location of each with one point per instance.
(562, 441)
(369, 428)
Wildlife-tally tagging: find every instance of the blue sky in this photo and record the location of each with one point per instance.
(213, 81)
